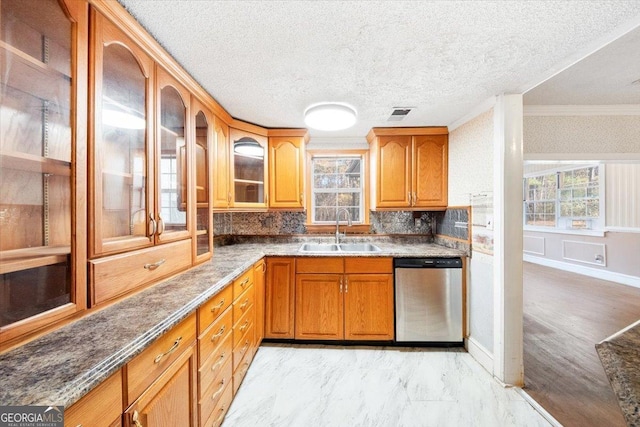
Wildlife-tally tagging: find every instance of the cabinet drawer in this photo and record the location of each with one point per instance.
(243, 325)
(116, 275)
(243, 304)
(146, 367)
(102, 406)
(214, 363)
(214, 392)
(215, 335)
(220, 410)
(240, 372)
(242, 348)
(242, 283)
(368, 265)
(213, 308)
(319, 265)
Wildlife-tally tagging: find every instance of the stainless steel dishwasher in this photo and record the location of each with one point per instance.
(428, 295)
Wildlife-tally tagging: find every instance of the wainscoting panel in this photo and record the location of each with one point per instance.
(584, 252)
(533, 245)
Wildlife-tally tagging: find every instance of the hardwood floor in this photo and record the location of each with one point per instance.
(565, 315)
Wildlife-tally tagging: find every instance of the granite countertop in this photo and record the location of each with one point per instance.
(620, 356)
(62, 366)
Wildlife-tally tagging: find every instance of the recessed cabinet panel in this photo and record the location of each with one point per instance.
(394, 175)
(430, 166)
(203, 189)
(221, 189)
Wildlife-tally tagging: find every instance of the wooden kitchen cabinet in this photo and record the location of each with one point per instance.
(202, 123)
(43, 138)
(221, 173)
(248, 169)
(259, 280)
(280, 298)
(170, 400)
(101, 407)
(344, 299)
(409, 168)
(286, 172)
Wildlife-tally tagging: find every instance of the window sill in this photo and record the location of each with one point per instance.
(328, 228)
(597, 233)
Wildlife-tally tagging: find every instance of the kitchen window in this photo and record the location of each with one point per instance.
(565, 199)
(337, 181)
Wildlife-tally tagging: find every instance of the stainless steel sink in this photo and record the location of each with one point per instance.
(319, 247)
(359, 247)
(342, 247)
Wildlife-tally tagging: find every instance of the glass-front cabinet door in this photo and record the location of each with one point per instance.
(249, 169)
(121, 212)
(203, 150)
(43, 76)
(172, 160)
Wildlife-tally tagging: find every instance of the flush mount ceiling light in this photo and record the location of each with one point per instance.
(330, 116)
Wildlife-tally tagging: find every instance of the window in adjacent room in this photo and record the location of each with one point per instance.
(565, 199)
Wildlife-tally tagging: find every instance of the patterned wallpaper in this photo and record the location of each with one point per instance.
(581, 134)
(471, 159)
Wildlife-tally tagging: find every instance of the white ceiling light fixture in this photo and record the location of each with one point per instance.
(330, 116)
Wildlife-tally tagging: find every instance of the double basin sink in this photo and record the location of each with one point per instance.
(339, 248)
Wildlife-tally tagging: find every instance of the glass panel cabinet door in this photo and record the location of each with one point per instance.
(203, 123)
(172, 153)
(121, 215)
(249, 153)
(39, 80)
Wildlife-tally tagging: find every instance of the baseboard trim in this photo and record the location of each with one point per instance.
(480, 353)
(611, 276)
(531, 401)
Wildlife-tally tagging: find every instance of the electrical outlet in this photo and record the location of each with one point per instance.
(489, 222)
(417, 222)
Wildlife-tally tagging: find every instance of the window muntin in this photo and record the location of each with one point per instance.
(337, 182)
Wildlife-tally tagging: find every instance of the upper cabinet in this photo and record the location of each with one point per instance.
(409, 168)
(221, 174)
(248, 169)
(286, 171)
(203, 127)
(43, 92)
(122, 212)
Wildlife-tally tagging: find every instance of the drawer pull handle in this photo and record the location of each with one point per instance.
(244, 283)
(245, 347)
(218, 363)
(217, 393)
(136, 421)
(219, 419)
(155, 265)
(219, 334)
(244, 326)
(218, 306)
(168, 352)
(244, 304)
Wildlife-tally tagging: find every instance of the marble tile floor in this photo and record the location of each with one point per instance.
(344, 386)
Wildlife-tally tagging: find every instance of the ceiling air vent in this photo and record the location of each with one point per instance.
(398, 114)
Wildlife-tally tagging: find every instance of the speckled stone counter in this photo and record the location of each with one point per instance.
(62, 366)
(620, 356)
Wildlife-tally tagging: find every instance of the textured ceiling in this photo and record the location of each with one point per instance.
(605, 77)
(266, 61)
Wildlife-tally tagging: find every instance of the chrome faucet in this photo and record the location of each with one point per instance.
(345, 210)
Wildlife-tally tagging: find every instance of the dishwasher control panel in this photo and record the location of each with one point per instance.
(427, 263)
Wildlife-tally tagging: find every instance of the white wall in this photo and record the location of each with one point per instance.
(471, 172)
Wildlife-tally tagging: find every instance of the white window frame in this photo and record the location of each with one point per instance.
(361, 191)
(563, 224)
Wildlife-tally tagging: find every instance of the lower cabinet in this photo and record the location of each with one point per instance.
(344, 299)
(170, 400)
(279, 302)
(101, 407)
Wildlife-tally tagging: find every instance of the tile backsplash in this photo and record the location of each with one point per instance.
(452, 223)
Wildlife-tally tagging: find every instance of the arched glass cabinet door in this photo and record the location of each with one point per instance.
(203, 147)
(249, 165)
(122, 216)
(43, 78)
(173, 151)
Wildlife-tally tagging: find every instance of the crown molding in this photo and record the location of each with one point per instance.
(481, 108)
(582, 110)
